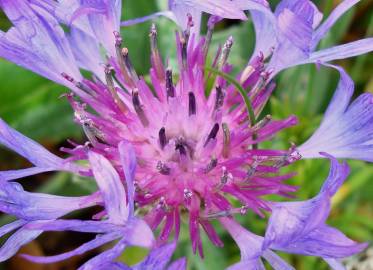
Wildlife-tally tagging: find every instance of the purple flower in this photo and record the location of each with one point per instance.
(43, 160)
(119, 224)
(292, 33)
(179, 147)
(347, 128)
(298, 228)
(40, 212)
(179, 10)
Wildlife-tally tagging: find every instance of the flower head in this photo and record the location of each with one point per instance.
(183, 142)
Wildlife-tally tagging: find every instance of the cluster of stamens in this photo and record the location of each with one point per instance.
(195, 153)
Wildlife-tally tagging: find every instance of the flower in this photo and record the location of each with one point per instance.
(41, 212)
(186, 147)
(347, 128)
(178, 11)
(292, 34)
(298, 227)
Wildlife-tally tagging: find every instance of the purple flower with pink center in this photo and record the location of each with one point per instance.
(184, 143)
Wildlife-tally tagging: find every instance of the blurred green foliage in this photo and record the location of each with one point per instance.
(32, 105)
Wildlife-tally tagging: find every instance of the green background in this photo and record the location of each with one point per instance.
(32, 105)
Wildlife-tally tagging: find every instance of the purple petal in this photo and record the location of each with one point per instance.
(105, 22)
(276, 261)
(157, 258)
(105, 257)
(180, 264)
(326, 242)
(111, 188)
(346, 130)
(250, 244)
(305, 9)
(251, 249)
(342, 51)
(294, 39)
(17, 174)
(138, 233)
(37, 42)
(73, 225)
(128, 160)
(291, 221)
(86, 52)
(36, 206)
(167, 14)
(16, 241)
(255, 264)
(32, 151)
(5, 229)
(343, 7)
(97, 242)
(335, 264)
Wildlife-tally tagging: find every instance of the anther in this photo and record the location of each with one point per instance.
(113, 91)
(226, 51)
(219, 100)
(138, 108)
(91, 132)
(243, 210)
(156, 58)
(170, 89)
(213, 133)
(247, 72)
(208, 38)
(190, 24)
(80, 85)
(121, 62)
(184, 51)
(162, 137)
(226, 176)
(262, 123)
(212, 164)
(181, 148)
(226, 140)
(163, 168)
(187, 193)
(192, 104)
(129, 66)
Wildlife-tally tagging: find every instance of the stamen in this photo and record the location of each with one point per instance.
(181, 148)
(187, 194)
(262, 123)
(91, 132)
(122, 65)
(129, 66)
(225, 177)
(226, 51)
(163, 168)
(208, 38)
(219, 100)
(170, 89)
(192, 104)
(155, 55)
(162, 137)
(80, 85)
(113, 91)
(247, 72)
(213, 133)
(226, 140)
(138, 108)
(252, 168)
(184, 52)
(190, 24)
(212, 164)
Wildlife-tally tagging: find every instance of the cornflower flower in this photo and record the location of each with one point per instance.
(196, 146)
